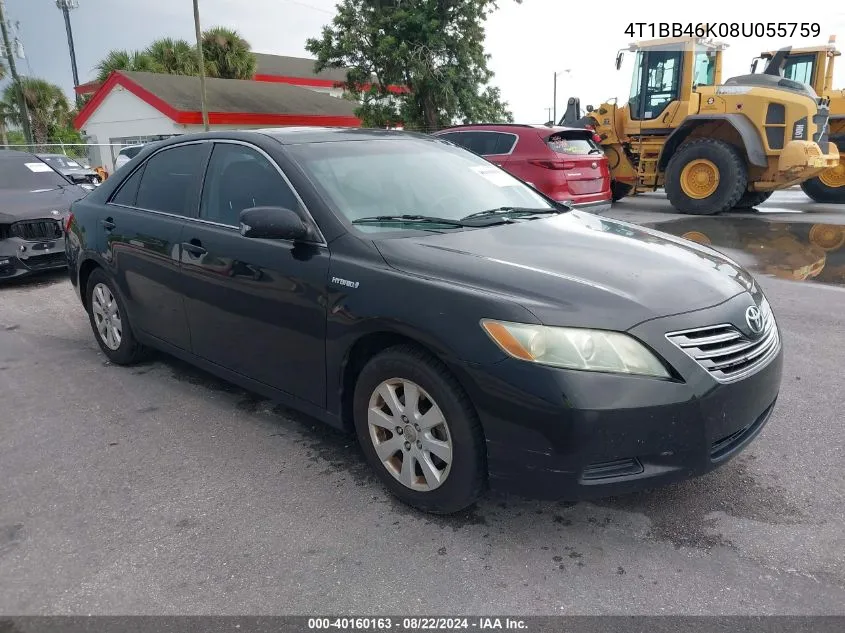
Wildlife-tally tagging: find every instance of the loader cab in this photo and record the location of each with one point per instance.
(811, 66)
(665, 74)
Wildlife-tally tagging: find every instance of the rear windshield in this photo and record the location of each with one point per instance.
(29, 174)
(572, 143)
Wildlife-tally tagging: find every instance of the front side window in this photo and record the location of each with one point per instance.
(239, 178)
(800, 68)
(659, 74)
(172, 178)
(409, 176)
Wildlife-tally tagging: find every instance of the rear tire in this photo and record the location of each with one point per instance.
(751, 199)
(619, 190)
(440, 429)
(829, 187)
(705, 176)
(110, 320)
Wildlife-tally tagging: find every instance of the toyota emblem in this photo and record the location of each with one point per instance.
(754, 318)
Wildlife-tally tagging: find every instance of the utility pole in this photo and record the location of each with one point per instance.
(66, 6)
(10, 56)
(202, 65)
(554, 102)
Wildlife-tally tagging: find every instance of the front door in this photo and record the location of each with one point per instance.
(143, 231)
(655, 89)
(254, 306)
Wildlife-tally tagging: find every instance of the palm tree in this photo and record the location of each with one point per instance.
(124, 60)
(2, 70)
(227, 54)
(48, 107)
(174, 57)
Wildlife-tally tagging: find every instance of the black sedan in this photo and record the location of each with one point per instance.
(468, 329)
(34, 202)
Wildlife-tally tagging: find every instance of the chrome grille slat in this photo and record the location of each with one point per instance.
(728, 354)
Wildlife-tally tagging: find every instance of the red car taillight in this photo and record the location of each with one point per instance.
(553, 164)
(68, 221)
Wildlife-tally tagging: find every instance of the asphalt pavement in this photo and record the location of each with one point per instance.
(159, 489)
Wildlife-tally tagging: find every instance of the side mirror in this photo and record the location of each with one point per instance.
(754, 66)
(273, 223)
(619, 56)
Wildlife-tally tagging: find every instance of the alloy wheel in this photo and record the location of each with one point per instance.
(410, 434)
(106, 316)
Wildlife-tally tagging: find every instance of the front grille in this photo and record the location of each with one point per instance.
(727, 353)
(615, 468)
(33, 230)
(40, 262)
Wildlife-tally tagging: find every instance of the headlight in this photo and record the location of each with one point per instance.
(575, 348)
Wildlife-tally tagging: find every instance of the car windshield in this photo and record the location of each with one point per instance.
(130, 152)
(28, 173)
(61, 161)
(418, 177)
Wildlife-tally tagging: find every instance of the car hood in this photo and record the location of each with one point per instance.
(577, 269)
(27, 205)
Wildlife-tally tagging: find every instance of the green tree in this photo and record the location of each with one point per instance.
(48, 107)
(124, 60)
(2, 70)
(227, 54)
(174, 57)
(434, 48)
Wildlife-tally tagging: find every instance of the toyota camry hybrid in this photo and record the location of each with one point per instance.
(469, 330)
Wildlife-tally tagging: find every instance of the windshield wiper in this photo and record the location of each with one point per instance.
(509, 211)
(407, 217)
(596, 151)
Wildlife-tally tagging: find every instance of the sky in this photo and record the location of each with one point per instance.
(527, 42)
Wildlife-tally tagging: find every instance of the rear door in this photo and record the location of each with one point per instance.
(582, 160)
(142, 231)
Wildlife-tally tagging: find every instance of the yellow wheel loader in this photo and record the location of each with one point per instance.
(712, 146)
(814, 67)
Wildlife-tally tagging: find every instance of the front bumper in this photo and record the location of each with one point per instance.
(563, 434)
(19, 258)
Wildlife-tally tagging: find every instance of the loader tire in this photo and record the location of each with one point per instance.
(751, 199)
(706, 176)
(619, 190)
(829, 186)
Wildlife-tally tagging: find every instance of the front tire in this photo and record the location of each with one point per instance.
(706, 176)
(619, 190)
(110, 320)
(419, 431)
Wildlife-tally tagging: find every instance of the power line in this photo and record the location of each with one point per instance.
(310, 6)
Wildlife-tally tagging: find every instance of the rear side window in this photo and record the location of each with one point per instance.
(488, 143)
(483, 143)
(128, 191)
(171, 179)
(569, 143)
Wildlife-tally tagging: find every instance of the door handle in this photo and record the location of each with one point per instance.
(194, 247)
(108, 224)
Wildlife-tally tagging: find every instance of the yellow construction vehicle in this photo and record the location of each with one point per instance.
(712, 146)
(814, 67)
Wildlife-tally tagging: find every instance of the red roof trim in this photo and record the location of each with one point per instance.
(195, 118)
(318, 83)
(87, 88)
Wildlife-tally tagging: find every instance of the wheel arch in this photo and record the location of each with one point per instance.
(748, 134)
(86, 267)
(366, 347)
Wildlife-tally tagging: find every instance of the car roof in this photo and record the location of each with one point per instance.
(297, 135)
(510, 127)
